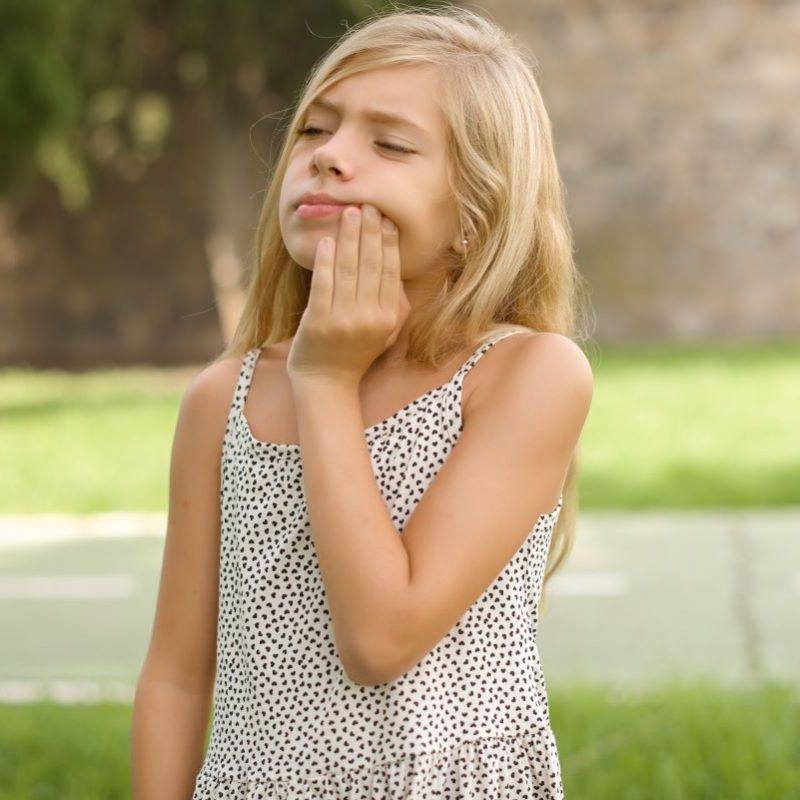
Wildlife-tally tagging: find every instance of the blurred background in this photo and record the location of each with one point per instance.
(135, 137)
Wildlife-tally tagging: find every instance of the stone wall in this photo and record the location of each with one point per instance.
(677, 129)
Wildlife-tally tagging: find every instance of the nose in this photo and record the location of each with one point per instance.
(332, 155)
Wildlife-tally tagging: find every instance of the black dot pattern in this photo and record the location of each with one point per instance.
(470, 720)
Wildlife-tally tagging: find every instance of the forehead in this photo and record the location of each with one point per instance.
(401, 95)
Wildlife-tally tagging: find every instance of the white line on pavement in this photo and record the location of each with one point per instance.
(64, 691)
(66, 586)
(589, 584)
(17, 530)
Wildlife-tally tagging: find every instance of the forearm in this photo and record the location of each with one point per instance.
(363, 562)
(167, 740)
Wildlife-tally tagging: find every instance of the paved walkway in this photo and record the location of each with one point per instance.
(644, 597)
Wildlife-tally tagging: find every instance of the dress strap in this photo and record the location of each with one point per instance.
(458, 378)
(242, 386)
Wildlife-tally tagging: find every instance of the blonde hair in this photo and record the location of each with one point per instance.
(518, 271)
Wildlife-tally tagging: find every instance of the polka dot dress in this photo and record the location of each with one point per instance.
(470, 720)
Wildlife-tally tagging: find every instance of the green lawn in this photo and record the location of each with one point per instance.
(683, 741)
(683, 426)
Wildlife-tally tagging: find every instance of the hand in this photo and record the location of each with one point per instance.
(356, 306)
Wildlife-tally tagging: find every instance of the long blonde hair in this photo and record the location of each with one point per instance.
(518, 271)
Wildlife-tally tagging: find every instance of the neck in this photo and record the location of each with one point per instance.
(394, 356)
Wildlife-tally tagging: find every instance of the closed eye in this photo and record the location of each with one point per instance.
(388, 145)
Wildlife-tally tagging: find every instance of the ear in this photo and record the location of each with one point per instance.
(458, 244)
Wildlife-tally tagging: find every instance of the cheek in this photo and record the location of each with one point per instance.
(286, 186)
(419, 234)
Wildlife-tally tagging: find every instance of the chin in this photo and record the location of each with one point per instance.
(302, 262)
(302, 256)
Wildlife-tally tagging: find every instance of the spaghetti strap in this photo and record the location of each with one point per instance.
(242, 387)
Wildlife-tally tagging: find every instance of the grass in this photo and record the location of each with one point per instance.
(678, 741)
(679, 426)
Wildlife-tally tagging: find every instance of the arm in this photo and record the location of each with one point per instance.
(392, 597)
(174, 691)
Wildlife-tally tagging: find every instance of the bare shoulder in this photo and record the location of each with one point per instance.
(553, 373)
(554, 354)
(528, 362)
(209, 394)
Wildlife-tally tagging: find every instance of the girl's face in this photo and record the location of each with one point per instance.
(397, 166)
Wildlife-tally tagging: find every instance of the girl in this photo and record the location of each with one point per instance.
(358, 539)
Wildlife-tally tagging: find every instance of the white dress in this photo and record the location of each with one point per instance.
(470, 720)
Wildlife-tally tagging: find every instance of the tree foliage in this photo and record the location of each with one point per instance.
(82, 82)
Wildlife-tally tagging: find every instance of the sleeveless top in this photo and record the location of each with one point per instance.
(470, 720)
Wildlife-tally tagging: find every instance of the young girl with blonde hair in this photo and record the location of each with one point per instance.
(364, 510)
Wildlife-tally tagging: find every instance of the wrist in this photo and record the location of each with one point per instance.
(320, 383)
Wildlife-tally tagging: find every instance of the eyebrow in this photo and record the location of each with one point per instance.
(371, 113)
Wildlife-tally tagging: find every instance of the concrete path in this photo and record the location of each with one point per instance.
(651, 596)
(644, 597)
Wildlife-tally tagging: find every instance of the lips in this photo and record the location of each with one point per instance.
(321, 198)
(314, 210)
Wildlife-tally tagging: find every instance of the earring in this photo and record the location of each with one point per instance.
(464, 241)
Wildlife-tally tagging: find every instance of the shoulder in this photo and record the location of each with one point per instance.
(542, 379)
(212, 388)
(532, 360)
(553, 356)
(213, 381)
(208, 397)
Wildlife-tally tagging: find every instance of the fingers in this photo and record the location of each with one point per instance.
(371, 257)
(320, 297)
(366, 269)
(390, 274)
(346, 263)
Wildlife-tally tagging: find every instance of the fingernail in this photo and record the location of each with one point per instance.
(353, 212)
(371, 213)
(388, 225)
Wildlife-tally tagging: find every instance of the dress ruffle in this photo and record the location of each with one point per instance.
(519, 767)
